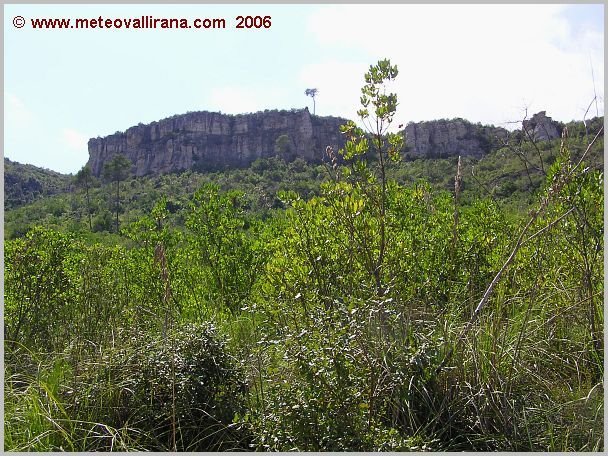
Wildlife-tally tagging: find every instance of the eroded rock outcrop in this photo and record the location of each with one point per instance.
(209, 141)
(447, 138)
(206, 141)
(541, 127)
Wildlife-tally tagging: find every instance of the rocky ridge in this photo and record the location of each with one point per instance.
(210, 141)
(205, 141)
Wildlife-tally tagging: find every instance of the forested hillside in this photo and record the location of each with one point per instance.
(511, 176)
(24, 184)
(367, 303)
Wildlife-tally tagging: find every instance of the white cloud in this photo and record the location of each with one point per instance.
(28, 140)
(16, 114)
(481, 62)
(74, 140)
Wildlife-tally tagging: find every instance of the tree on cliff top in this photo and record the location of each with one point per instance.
(312, 93)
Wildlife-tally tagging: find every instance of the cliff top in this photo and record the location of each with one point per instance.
(205, 113)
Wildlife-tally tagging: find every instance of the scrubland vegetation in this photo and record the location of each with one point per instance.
(367, 304)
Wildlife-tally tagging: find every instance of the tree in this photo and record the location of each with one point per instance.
(312, 93)
(83, 179)
(377, 112)
(116, 170)
(283, 145)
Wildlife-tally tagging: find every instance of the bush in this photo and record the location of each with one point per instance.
(178, 392)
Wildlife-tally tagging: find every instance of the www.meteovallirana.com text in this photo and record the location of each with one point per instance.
(151, 22)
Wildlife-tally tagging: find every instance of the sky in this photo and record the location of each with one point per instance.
(485, 63)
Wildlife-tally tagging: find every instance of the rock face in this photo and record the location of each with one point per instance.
(542, 128)
(447, 138)
(205, 141)
(210, 141)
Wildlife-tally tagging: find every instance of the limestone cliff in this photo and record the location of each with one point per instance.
(212, 141)
(208, 141)
(447, 138)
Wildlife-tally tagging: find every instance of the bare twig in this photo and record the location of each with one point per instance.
(533, 142)
(594, 92)
(549, 226)
(482, 185)
(600, 131)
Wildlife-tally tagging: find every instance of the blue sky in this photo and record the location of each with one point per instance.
(485, 63)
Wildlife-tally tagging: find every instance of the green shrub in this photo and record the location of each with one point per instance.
(178, 392)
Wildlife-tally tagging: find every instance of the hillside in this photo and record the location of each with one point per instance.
(24, 183)
(506, 167)
(510, 175)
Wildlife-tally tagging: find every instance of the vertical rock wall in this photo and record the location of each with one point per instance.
(207, 141)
